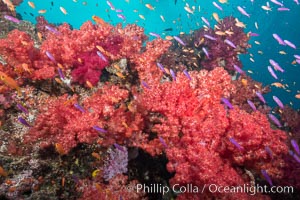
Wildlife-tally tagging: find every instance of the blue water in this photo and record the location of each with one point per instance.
(285, 24)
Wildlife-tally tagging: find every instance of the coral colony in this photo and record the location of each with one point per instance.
(79, 108)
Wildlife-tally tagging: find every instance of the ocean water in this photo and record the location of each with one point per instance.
(177, 19)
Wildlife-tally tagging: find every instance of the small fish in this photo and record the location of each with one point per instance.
(272, 72)
(22, 108)
(142, 17)
(267, 8)
(279, 40)
(162, 141)
(52, 29)
(289, 44)
(278, 85)
(99, 129)
(43, 11)
(89, 84)
(12, 19)
(102, 56)
(173, 74)
(79, 107)
(275, 65)
(283, 9)
(162, 18)
(277, 3)
(179, 40)
(121, 16)
(234, 142)
(253, 34)
(161, 67)
(145, 85)
(154, 34)
(205, 21)
(251, 104)
(216, 17)
(256, 25)
(296, 1)
(260, 96)
(297, 57)
(189, 10)
(119, 10)
(295, 146)
(10, 82)
(294, 156)
(168, 29)
(275, 120)
(278, 102)
(9, 4)
(149, 6)
(96, 155)
(238, 69)
(119, 147)
(210, 37)
(217, 6)
(282, 52)
(230, 43)
(31, 4)
(110, 5)
(267, 177)
(63, 10)
(99, 20)
(242, 11)
(269, 151)
(59, 148)
(297, 96)
(206, 52)
(50, 56)
(227, 103)
(186, 73)
(61, 74)
(23, 121)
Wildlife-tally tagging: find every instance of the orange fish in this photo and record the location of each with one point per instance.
(43, 11)
(277, 84)
(96, 155)
(31, 4)
(89, 84)
(40, 36)
(10, 82)
(59, 148)
(9, 4)
(99, 21)
(297, 96)
(63, 10)
(149, 6)
(2, 172)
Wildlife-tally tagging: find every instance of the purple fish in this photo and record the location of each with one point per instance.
(230, 43)
(267, 177)
(102, 56)
(205, 21)
(242, 11)
(173, 74)
(238, 69)
(121, 16)
(186, 73)
(61, 74)
(179, 40)
(236, 144)
(12, 19)
(154, 34)
(119, 147)
(79, 107)
(276, 65)
(206, 52)
(23, 109)
(279, 40)
(50, 56)
(260, 96)
(101, 130)
(275, 120)
(290, 44)
(277, 3)
(161, 67)
(269, 151)
(210, 37)
(253, 34)
(298, 61)
(297, 57)
(296, 1)
(272, 72)
(227, 103)
(23, 121)
(52, 29)
(294, 156)
(145, 85)
(295, 146)
(110, 5)
(279, 103)
(217, 6)
(119, 10)
(163, 142)
(283, 9)
(251, 104)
